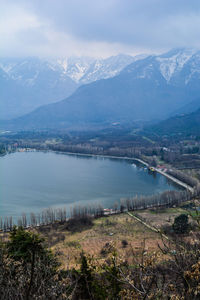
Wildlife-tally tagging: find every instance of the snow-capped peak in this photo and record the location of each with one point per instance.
(174, 61)
(75, 67)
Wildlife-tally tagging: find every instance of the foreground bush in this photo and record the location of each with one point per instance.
(28, 270)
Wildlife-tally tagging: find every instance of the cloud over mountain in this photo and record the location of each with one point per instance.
(97, 28)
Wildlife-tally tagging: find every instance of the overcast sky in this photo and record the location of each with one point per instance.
(98, 28)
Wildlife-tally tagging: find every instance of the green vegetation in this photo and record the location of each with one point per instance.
(28, 269)
(181, 224)
(24, 245)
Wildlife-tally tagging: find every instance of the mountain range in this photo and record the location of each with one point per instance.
(27, 83)
(150, 88)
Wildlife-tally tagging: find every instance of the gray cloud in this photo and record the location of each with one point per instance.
(100, 27)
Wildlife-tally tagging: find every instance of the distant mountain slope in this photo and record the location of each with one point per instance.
(139, 92)
(149, 89)
(30, 83)
(36, 82)
(189, 108)
(179, 125)
(6, 103)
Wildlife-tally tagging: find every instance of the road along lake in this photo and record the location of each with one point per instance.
(33, 181)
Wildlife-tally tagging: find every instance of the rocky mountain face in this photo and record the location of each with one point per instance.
(36, 82)
(86, 70)
(149, 89)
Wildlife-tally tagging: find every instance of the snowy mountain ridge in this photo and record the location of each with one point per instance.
(27, 83)
(177, 65)
(81, 70)
(169, 64)
(84, 70)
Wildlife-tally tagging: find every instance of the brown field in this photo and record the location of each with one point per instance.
(106, 235)
(120, 233)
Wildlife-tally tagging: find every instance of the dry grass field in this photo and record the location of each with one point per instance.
(120, 233)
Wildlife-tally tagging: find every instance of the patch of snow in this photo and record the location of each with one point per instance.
(31, 81)
(169, 65)
(7, 67)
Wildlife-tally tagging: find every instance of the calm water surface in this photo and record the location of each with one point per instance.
(32, 181)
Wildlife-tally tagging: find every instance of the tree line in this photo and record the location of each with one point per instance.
(53, 215)
(183, 177)
(50, 216)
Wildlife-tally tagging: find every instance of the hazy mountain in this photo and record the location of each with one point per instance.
(37, 81)
(107, 68)
(189, 108)
(6, 103)
(30, 83)
(152, 88)
(188, 124)
(85, 70)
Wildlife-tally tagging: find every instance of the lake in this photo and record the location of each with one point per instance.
(33, 181)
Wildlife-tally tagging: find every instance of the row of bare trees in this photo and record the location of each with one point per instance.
(50, 216)
(53, 215)
(47, 216)
(165, 199)
(78, 212)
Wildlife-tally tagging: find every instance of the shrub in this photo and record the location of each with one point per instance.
(106, 249)
(24, 245)
(79, 223)
(181, 224)
(124, 243)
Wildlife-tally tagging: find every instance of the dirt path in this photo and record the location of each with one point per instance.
(148, 226)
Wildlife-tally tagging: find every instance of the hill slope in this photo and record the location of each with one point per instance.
(188, 124)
